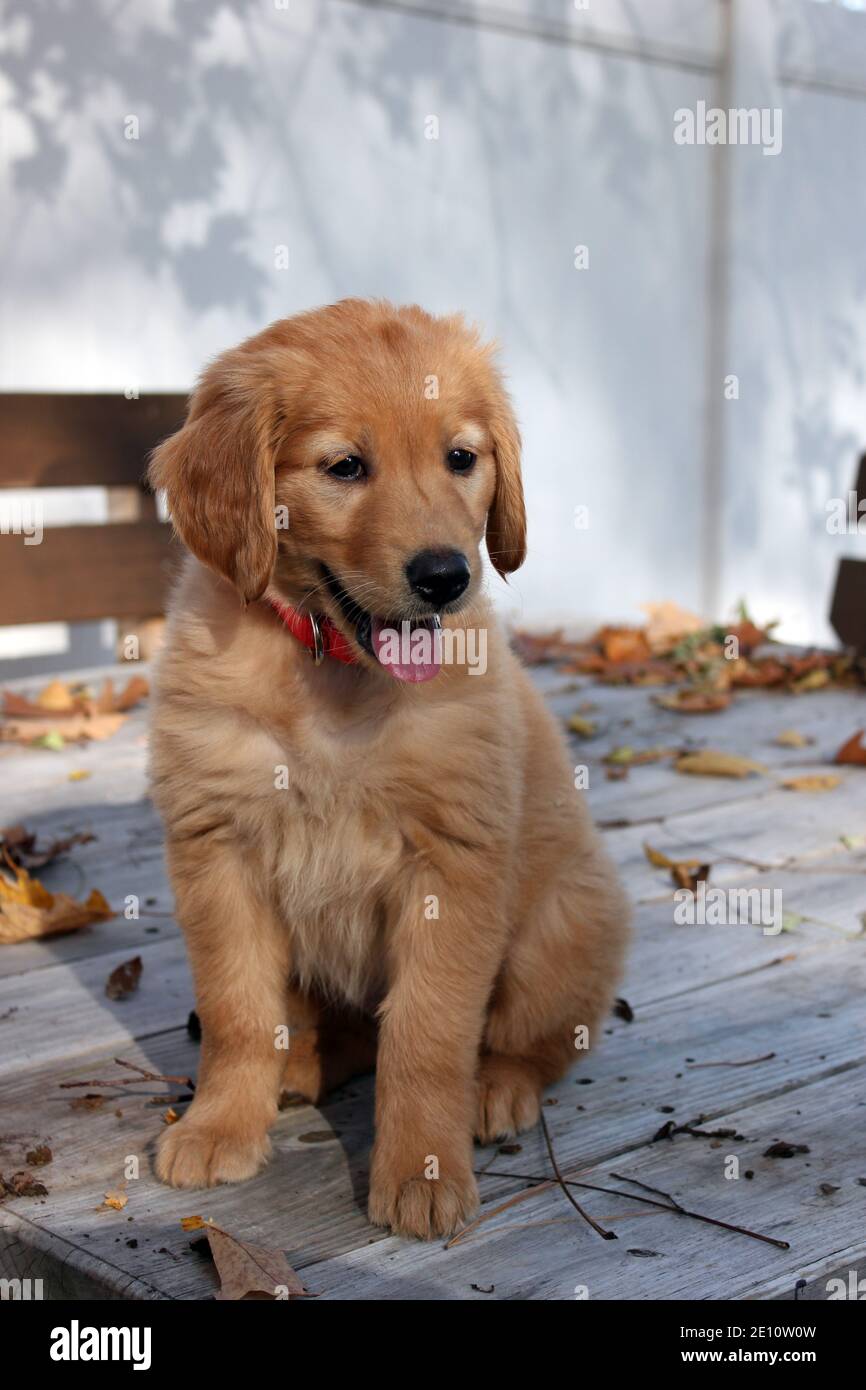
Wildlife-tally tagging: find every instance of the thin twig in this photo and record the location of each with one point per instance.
(710, 1220)
(670, 1205)
(600, 1230)
(645, 1187)
(746, 1062)
(143, 1075)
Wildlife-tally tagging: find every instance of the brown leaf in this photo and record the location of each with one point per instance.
(28, 910)
(61, 700)
(819, 782)
(23, 851)
(765, 672)
(686, 873)
(73, 728)
(695, 701)
(22, 1185)
(686, 877)
(708, 762)
(852, 751)
(124, 978)
(61, 715)
(620, 644)
(38, 1157)
(249, 1271)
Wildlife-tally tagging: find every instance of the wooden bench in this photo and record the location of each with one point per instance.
(89, 572)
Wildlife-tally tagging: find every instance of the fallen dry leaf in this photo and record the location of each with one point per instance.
(813, 680)
(38, 1157)
(56, 696)
(668, 624)
(124, 978)
(55, 735)
(708, 762)
(620, 644)
(170, 1117)
(586, 728)
(23, 851)
(114, 1201)
(695, 701)
(22, 1185)
(686, 873)
(61, 715)
(634, 757)
(817, 782)
(192, 1223)
(852, 751)
(790, 738)
(28, 910)
(249, 1271)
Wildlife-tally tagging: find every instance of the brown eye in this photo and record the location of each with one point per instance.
(461, 460)
(351, 469)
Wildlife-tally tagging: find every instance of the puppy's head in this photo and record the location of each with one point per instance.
(352, 459)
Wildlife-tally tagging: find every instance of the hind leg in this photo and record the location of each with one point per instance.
(552, 996)
(328, 1046)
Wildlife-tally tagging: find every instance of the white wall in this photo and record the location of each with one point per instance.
(130, 262)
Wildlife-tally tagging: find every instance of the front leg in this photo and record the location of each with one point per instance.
(239, 955)
(441, 973)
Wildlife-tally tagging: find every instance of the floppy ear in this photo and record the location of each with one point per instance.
(506, 520)
(218, 476)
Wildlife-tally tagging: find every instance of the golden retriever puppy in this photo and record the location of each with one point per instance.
(373, 834)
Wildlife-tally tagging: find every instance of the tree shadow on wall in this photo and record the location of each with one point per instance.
(93, 70)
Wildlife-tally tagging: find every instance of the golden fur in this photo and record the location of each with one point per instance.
(404, 875)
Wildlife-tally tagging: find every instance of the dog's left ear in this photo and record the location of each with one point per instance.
(218, 476)
(506, 520)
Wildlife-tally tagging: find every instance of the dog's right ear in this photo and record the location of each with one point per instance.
(218, 476)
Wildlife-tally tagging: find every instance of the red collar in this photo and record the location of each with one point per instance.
(319, 635)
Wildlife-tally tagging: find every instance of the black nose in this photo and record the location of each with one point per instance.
(439, 576)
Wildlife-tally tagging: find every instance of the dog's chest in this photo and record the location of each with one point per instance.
(336, 858)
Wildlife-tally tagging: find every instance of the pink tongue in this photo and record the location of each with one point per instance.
(408, 652)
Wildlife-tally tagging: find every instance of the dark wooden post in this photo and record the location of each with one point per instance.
(848, 608)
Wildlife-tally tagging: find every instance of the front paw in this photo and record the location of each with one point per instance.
(197, 1153)
(423, 1207)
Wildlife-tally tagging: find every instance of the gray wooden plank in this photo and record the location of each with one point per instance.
(541, 1250)
(63, 1009)
(310, 1199)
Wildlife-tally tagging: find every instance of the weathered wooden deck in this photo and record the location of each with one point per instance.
(701, 995)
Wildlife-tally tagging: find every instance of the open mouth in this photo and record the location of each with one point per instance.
(410, 649)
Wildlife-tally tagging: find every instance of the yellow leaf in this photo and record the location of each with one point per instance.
(115, 1200)
(708, 762)
(170, 1117)
(790, 738)
(820, 782)
(27, 891)
(28, 910)
(585, 727)
(56, 696)
(192, 1223)
(79, 775)
(814, 680)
